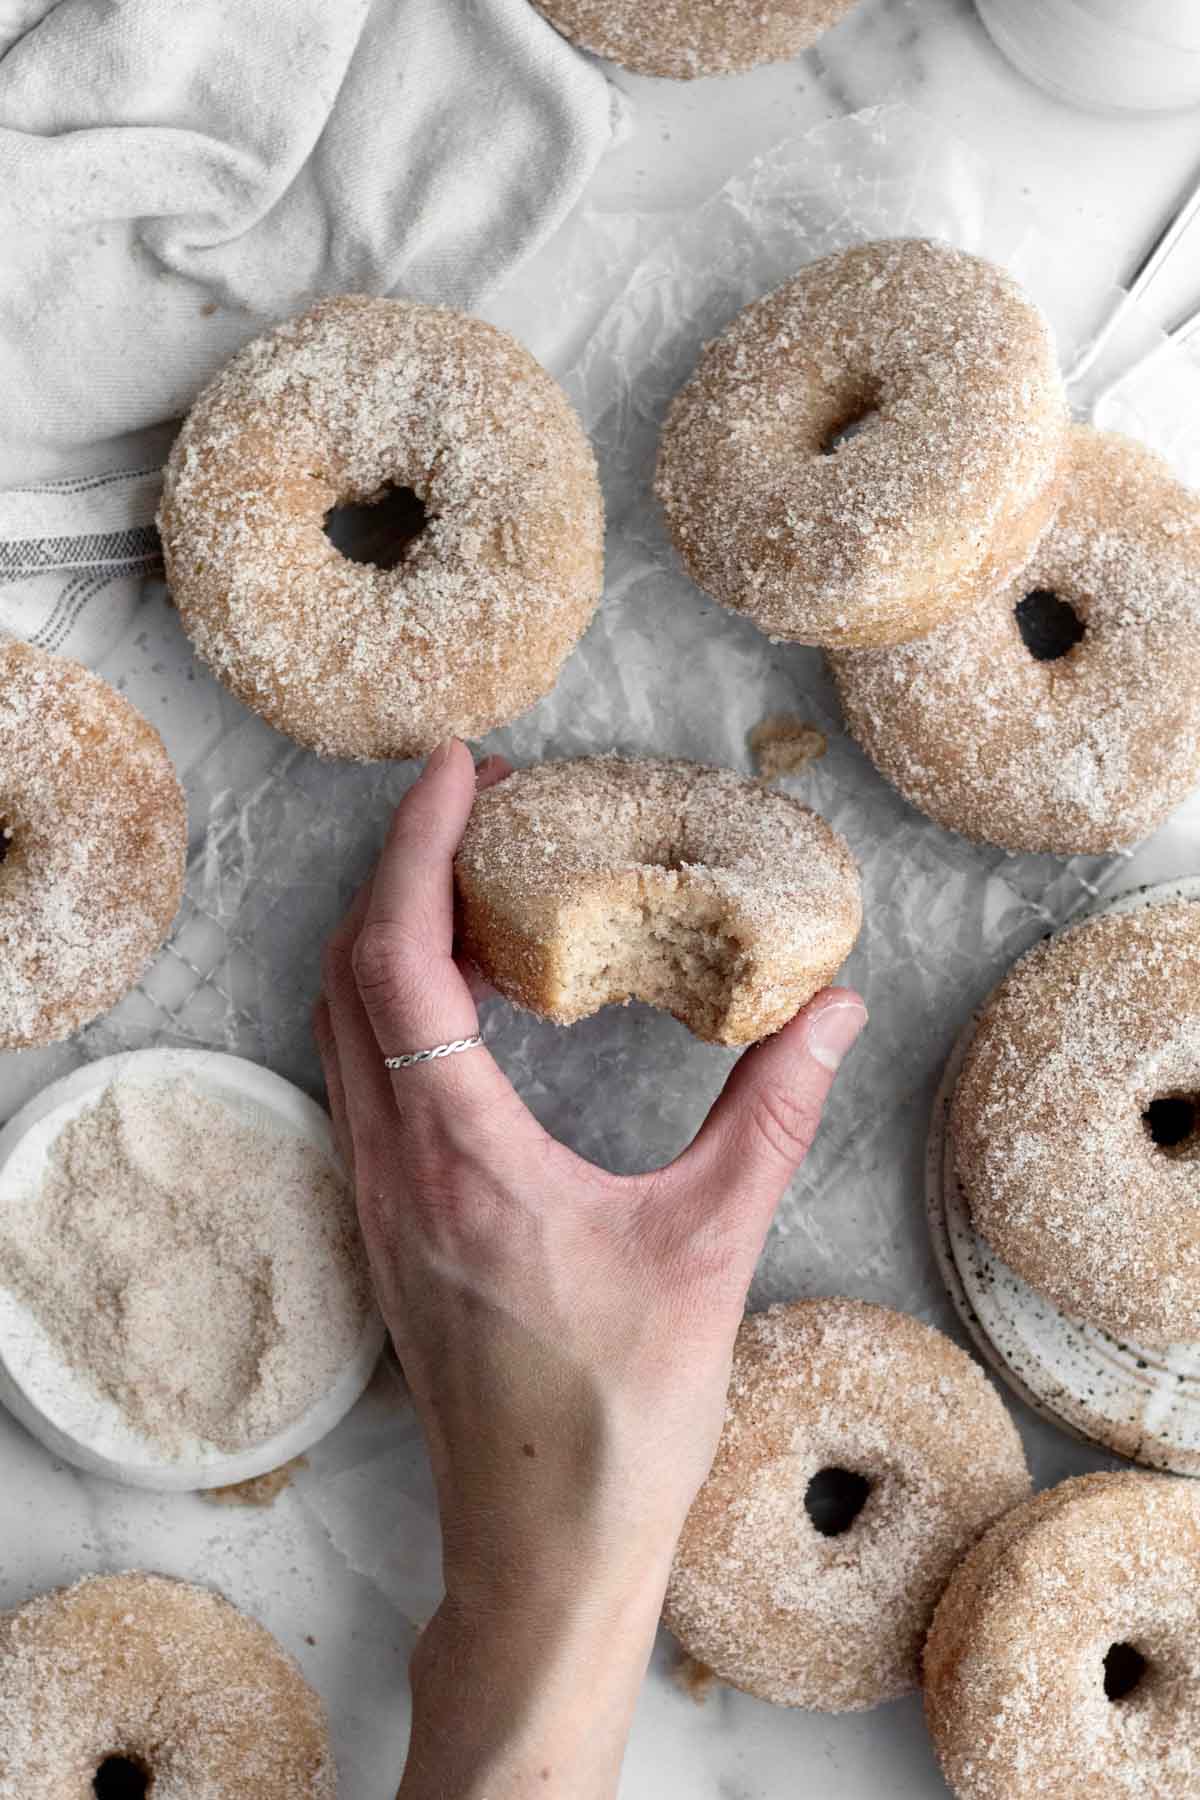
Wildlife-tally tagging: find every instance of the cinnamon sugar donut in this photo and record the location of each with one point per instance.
(1063, 1658)
(93, 841)
(139, 1677)
(862, 1456)
(584, 884)
(1088, 748)
(356, 399)
(939, 498)
(1087, 1052)
(686, 38)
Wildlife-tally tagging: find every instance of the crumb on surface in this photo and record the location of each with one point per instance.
(783, 744)
(695, 1678)
(262, 1490)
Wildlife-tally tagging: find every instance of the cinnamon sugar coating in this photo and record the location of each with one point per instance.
(587, 883)
(356, 397)
(94, 837)
(1085, 753)
(937, 500)
(1051, 1143)
(169, 1677)
(1015, 1662)
(835, 1623)
(687, 38)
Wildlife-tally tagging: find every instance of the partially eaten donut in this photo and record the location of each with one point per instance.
(589, 883)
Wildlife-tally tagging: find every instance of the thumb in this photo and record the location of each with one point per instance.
(762, 1124)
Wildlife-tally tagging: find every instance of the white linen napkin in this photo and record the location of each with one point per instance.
(174, 174)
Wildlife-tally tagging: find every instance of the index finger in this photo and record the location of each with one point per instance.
(412, 990)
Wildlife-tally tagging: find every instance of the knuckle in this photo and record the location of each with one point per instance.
(784, 1122)
(384, 965)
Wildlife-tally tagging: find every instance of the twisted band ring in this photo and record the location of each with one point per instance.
(411, 1057)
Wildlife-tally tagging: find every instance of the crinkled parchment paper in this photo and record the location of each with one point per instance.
(284, 839)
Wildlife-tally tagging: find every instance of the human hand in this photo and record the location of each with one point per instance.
(566, 1333)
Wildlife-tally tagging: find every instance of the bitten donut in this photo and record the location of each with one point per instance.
(1074, 1122)
(136, 1676)
(1085, 742)
(939, 497)
(357, 399)
(93, 842)
(686, 38)
(584, 884)
(1063, 1658)
(863, 1454)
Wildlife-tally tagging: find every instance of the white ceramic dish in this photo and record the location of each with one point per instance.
(75, 1422)
(1115, 56)
(1143, 1404)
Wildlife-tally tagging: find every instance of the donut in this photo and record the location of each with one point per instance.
(1085, 742)
(588, 883)
(129, 1685)
(687, 38)
(1063, 1656)
(1075, 1127)
(863, 1454)
(357, 400)
(827, 534)
(93, 842)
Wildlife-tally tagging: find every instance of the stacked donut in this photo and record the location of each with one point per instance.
(876, 458)
(870, 450)
(1076, 1122)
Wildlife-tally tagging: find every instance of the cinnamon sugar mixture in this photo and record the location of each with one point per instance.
(201, 1271)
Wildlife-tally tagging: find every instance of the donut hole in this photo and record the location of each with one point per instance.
(1049, 626)
(380, 531)
(862, 419)
(6, 837)
(1124, 1671)
(1173, 1123)
(121, 1778)
(834, 1499)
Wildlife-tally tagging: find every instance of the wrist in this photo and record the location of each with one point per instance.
(529, 1685)
(561, 1577)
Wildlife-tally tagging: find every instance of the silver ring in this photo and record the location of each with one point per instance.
(419, 1056)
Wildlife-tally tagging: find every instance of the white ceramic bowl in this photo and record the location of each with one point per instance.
(1141, 1403)
(75, 1422)
(1109, 55)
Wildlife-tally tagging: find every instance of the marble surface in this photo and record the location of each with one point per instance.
(344, 1565)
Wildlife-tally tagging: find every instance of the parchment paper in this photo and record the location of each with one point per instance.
(282, 840)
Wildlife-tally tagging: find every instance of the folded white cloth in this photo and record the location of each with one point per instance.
(174, 174)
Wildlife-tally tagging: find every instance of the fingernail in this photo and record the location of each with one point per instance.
(834, 1030)
(438, 758)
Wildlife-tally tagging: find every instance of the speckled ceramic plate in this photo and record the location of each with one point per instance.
(1143, 1404)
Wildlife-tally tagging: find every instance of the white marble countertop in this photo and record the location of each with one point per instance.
(342, 1583)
